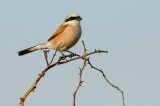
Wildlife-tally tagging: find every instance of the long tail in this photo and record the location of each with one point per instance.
(34, 48)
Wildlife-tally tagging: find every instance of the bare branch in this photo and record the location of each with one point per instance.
(61, 61)
(80, 75)
(116, 87)
(75, 92)
(80, 56)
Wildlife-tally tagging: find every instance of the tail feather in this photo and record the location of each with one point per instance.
(26, 51)
(32, 49)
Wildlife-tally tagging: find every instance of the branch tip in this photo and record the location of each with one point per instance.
(116, 87)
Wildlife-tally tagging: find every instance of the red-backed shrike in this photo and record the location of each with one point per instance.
(65, 37)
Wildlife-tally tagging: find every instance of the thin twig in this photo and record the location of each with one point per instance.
(116, 87)
(80, 75)
(85, 59)
(46, 56)
(53, 56)
(76, 90)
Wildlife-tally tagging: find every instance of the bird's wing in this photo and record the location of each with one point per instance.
(58, 31)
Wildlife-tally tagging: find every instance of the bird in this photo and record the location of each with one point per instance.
(65, 37)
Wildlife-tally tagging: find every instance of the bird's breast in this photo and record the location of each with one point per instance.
(68, 38)
(71, 36)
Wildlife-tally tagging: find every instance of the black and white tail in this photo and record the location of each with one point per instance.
(32, 49)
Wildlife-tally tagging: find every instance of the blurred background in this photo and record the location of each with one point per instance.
(128, 29)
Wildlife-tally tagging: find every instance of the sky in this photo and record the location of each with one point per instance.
(128, 29)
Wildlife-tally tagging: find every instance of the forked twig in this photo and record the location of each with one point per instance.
(59, 62)
(22, 99)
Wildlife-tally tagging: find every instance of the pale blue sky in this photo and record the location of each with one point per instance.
(128, 29)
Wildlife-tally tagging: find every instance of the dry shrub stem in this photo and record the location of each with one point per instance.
(80, 75)
(66, 59)
(116, 87)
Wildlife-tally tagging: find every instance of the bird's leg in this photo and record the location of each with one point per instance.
(71, 53)
(63, 57)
